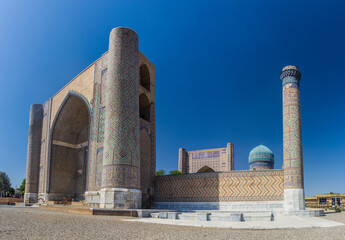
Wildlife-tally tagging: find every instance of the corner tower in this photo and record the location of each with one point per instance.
(121, 163)
(292, 140)
(33, 157)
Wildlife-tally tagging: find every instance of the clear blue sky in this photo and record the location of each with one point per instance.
(217, 73)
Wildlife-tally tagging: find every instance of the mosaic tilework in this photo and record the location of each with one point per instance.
(103, 82)
(121, 160)
(101, 124)
(209, 154)
(95, 115)
(222, 187)
(261, 165)
(292, 136)
(99, 166)
(91, 174)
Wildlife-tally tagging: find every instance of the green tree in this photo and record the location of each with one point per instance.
(22, 187)
(160, 172)
(11, 191)
(175, 172)
(6, 183)
(1, 185)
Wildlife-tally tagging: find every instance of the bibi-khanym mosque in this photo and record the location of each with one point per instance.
(95, 141)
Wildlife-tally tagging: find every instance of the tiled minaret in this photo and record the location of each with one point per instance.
(121, 162)
(292, 140)
(34, 151)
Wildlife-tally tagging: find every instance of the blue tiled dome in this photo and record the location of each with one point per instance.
(261, 157)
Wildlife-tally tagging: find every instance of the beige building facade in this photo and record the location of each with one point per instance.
(326, 200)
(207, 160)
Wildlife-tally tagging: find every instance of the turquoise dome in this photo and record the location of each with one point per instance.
(261, 157)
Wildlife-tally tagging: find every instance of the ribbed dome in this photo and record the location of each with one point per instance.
(261, 157)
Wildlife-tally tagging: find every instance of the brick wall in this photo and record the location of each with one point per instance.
(266, 185)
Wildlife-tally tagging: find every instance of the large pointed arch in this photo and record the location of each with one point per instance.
(69, 140)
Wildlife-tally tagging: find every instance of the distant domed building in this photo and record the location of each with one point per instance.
(261, 157)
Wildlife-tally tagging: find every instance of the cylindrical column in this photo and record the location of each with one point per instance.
(230, 153)
(182, 161)
(34, 152)
(292, 140)
(121, 163)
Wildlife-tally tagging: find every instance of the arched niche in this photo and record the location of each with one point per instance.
(144, 77)
(145, 166)
(69, 149)
(144, 107)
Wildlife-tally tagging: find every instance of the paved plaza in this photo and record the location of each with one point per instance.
(35, 223)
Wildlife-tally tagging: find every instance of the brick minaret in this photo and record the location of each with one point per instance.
(292, 140)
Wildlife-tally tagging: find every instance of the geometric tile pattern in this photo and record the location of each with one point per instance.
(261, 165)
(221, 187)
(103, 82)
(209, 154)
(121, 160)
(292, 136)
(101, 124)
(95, 113)
(94, 145)
(99, 166)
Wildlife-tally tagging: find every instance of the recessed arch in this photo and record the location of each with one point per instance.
(205, 169)
(144, 77)
(145, 166)
(144, 107)
(69, 149)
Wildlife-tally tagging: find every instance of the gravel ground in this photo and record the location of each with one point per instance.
(34, 223)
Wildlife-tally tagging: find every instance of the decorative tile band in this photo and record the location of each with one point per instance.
(221, 187)
(290, 75)
(101, 124)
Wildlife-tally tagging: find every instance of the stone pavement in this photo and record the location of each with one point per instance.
(35, 223)
(280, 222)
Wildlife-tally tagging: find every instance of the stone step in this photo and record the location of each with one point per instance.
(155, 215)
(230, 217)
(168, 215)
(187, 216)
(217, 216)
(258, 217)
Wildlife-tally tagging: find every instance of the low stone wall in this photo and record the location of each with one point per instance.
(234, 186)
(222, 206)
(11, 200)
